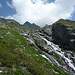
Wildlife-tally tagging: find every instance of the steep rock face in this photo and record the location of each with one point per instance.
(64, 34)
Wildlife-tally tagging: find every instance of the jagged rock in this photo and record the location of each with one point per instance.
(48, 31)
(30, 42)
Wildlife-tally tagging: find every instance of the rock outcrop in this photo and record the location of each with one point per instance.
(64, 34)
(48, 30)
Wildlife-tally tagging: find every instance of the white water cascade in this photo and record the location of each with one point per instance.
(58, 51)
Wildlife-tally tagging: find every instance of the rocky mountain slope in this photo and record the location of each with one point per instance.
(54, 54)
(30, 51)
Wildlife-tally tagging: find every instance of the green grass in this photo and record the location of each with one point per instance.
(57, 57)
(38, 41)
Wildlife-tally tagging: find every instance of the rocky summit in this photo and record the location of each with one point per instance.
(35, 51)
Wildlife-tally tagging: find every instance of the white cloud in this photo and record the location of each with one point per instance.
(0, 5)
(40, 12)
(8, 4)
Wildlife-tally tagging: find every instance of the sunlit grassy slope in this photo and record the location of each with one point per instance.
(66, 22)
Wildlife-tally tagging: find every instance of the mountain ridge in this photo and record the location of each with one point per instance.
(28, 24)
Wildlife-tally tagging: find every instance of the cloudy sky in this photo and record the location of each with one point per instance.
(40, 12)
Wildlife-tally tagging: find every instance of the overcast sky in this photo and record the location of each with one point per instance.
(40, 12)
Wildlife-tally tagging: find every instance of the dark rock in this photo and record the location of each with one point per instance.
(64, 34)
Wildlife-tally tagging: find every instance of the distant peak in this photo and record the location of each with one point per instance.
(32, 25)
